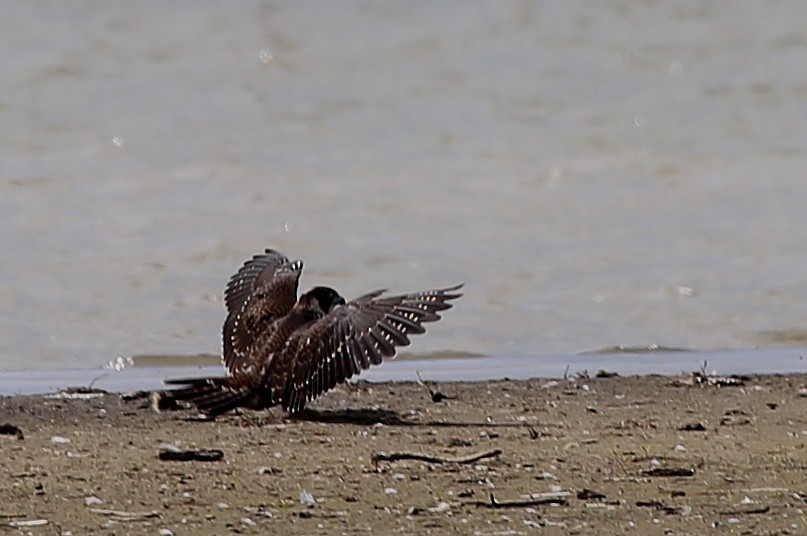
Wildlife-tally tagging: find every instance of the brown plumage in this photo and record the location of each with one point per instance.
(282, 350)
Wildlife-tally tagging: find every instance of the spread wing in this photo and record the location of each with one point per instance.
(258, 270)
(354, 336)
(263, 290)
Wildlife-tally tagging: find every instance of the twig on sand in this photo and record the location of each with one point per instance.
(749, 511)
(397, 456)
(556, 498)
(437, 396)
(670, 471)
(97, 378)
(23, 523)
(190, 455)
(120, 515)
(660, 506)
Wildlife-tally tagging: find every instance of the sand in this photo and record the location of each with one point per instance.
(641, 455)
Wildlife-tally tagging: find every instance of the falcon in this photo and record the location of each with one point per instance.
(281, 349)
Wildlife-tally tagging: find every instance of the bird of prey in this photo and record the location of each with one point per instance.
(279, 349)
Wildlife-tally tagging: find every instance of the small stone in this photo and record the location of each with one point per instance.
(442, 506)
(306, 498)
(59, 440)
(92, 500)
(265, 470)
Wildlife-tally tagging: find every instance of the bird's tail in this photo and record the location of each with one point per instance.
(212, 396)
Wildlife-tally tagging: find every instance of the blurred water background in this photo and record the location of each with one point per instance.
(599, 174)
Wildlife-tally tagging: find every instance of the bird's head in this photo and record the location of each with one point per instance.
(324, 298)
(318, 302)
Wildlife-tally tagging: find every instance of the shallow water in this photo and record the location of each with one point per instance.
(148, 372)
(596, 173)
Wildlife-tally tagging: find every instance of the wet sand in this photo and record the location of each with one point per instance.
(643, 455)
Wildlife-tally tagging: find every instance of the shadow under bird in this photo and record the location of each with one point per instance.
(279, 349)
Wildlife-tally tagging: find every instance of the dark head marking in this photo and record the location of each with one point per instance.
(325, 298)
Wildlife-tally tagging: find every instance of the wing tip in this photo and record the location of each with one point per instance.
(450, 293)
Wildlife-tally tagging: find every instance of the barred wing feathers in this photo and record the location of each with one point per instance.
(354, 336)
(263, 290)
(257, 271)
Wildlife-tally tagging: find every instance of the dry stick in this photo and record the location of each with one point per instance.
(422, 383)
(25, 523)
(397, 456)
(120, 514)
(521, 503)
(670, 471)
(436, 396)
(192, 455)
(751, 511)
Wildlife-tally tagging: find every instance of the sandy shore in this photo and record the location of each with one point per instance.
(642, 455)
